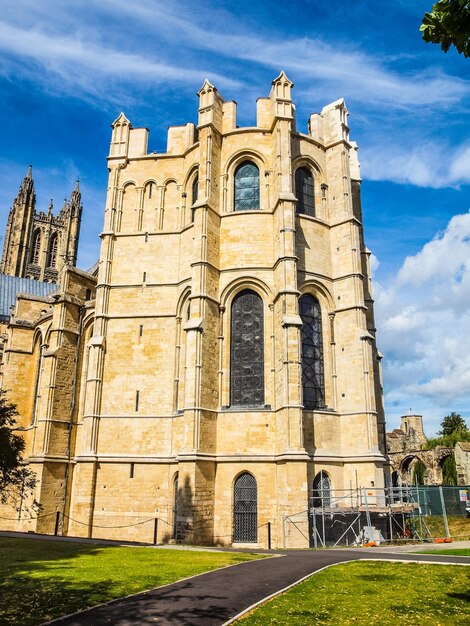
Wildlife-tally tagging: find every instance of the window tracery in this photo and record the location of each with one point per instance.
(51, 262)
(247, 350)
(305, 192)
(246, 187)
(313, 385)
(36, 247)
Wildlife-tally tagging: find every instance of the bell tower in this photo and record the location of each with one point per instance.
(38, 244)
(18, 231)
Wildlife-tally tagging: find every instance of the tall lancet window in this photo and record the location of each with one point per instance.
(194, 196)
(313, 381)
(246, 186)
(247, 351)
(52, 257)
(304, 190)
(36, 247)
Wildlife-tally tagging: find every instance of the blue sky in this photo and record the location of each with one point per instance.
(68, 69)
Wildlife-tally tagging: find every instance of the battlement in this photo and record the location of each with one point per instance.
(326, 128)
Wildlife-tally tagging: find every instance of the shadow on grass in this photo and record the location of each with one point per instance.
(465, 596)
(32, 586)
(43, 580)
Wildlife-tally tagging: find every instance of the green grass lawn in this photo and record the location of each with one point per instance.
(457, 551)
(372, 593)
(40, 580)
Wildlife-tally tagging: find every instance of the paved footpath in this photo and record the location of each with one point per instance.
(214, 598)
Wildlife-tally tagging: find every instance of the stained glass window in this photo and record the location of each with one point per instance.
(304, 190)
(246, 187)
(313, 385)
(247, 350)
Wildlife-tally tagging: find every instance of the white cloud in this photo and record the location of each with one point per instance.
(167, 35)
(423, 321)
(424, 164)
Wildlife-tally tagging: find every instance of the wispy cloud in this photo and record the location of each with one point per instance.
(74, 62)
(164, 32)
(422, 163)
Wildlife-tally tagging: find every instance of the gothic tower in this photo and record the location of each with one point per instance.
(38, 244)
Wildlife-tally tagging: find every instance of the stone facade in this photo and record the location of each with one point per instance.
(462, 462)
(134, 417)
(37, 244)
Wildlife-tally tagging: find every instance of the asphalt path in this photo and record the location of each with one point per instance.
(214, 598)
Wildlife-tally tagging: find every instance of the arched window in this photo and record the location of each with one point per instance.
(321, 492)
(313, 382)
(194, 192)
(36, 249)
(246, 186)
(245, 509)
(52, 257)
(304, 190)
(247, 350)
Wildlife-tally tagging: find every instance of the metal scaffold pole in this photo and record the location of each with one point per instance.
(444, 512)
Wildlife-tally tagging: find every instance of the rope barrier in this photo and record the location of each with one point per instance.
(150, 519)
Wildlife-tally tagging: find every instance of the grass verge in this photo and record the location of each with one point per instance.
(41, 580)
(372, 593)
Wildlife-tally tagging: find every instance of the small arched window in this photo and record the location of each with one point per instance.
(321, 493)
(36, 247)
(246, 185)
(304, 190)
(313, 382)
(194, 192)
(245, 509)
(247, 350)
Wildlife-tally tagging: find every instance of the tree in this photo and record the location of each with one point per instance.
(454, 429)
(453, 423)
(16, 480)
(448, 24)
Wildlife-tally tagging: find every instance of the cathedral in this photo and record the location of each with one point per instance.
(221, 367)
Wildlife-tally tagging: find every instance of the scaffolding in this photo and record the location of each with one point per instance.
(363, 515)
